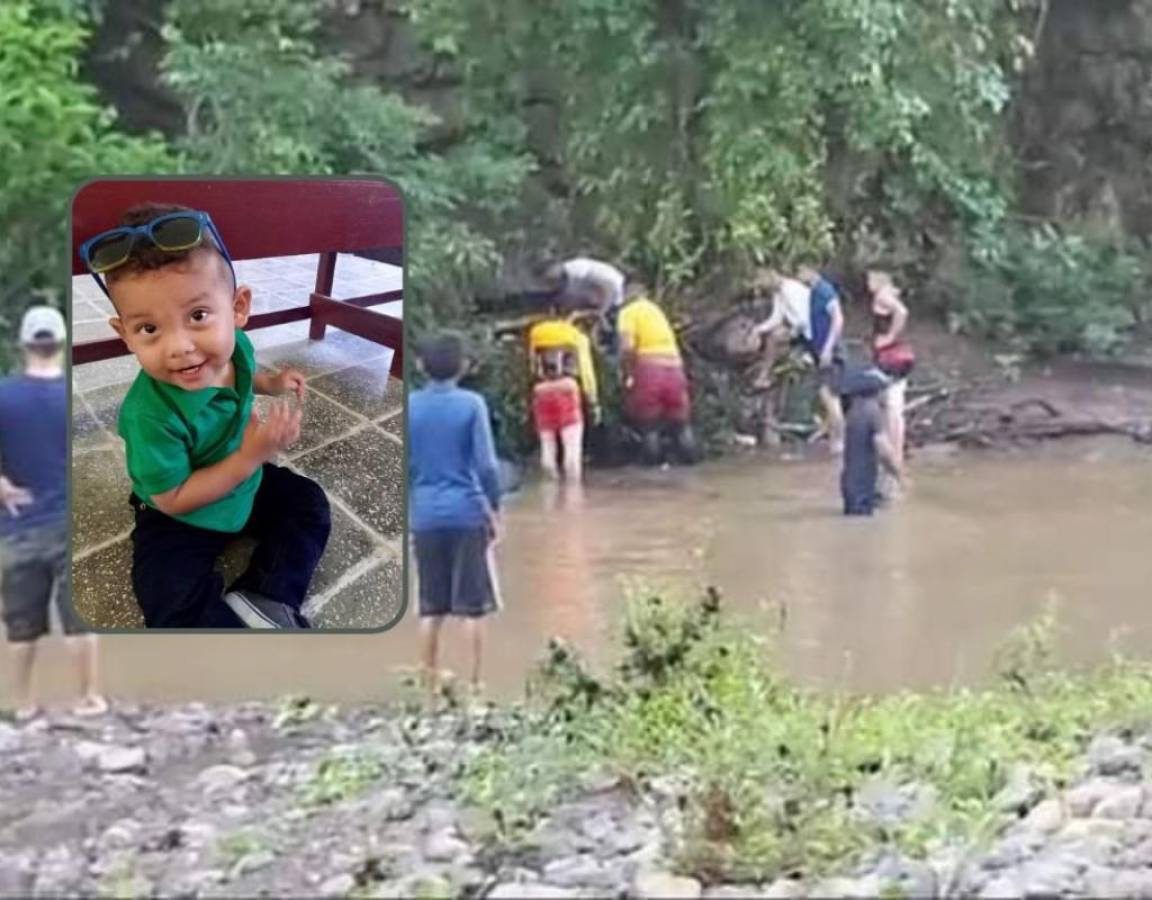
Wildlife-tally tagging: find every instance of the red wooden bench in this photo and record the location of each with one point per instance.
(260, 218)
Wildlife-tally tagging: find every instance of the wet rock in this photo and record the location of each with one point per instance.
(868, 886)
(1001, 889)
(1046, 817)
(905, 877)
(252, 862)
(123, 761)
(653, 885)
(1049, 878)
(438, 816)
(888, 803)
(1081, 800)
(338, 886)
(734, 892)
(1022, 790)
(1122, 803)
(583, 871)
(784, 889)
(119, 835)
(444, 846)
(17, 872)
(1013, 850)
(88, 751)
(477, 825)
(1110, 756)
(61, 871)
(10, 738)
(221, 779)
(510, 891)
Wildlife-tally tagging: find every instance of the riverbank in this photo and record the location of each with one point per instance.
(693, 770)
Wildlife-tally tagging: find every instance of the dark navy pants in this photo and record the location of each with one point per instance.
(174, 563)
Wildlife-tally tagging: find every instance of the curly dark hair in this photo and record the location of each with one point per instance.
(146, 257)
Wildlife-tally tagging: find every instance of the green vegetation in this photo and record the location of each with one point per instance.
(342, 775)
(771, 769)
(54, 134)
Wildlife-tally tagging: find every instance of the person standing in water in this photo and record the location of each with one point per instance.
(34, 520)
(892, 352)
(564, 382)
(454, 506)
(866, 446)
(652, 372)
(825, 327)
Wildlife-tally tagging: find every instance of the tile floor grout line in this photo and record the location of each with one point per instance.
(103, 545)
(316, 604)
(360, 426)
(388, 434)
(347, 409)
(387, 417)
(377, 538)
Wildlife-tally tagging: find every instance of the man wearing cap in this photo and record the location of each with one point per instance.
(34, 511)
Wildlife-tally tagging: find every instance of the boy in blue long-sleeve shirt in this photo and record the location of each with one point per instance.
(454, 504)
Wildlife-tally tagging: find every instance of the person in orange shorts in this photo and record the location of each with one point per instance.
(655, 384)
(565, 378)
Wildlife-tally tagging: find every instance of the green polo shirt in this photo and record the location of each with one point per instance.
(170, 432)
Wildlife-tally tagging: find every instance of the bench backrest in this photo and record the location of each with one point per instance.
(258, 218)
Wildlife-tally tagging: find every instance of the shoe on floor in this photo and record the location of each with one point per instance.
(260, 612)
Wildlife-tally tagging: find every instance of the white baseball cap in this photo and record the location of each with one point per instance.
(41, 323)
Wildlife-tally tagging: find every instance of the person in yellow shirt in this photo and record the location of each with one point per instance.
(564, 379)
(652, 372)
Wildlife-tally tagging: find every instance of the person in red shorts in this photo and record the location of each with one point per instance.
(564, 378)
(655, 384)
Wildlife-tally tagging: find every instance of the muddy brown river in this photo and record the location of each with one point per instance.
(918, 596)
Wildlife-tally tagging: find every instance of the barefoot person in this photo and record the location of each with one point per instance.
(825, 327)
(454, 503)
(564, 383)
(34, 518)
(893, 353)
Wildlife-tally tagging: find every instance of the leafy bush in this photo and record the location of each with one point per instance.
(54, 134)
(262, 96)
(771, 771)
(1049, 293)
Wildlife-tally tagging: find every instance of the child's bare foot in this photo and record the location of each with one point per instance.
(92, 705)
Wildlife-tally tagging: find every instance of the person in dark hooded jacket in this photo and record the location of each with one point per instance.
(866, 443)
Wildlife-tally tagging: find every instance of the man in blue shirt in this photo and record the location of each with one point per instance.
(825, 327)
(34, 515)
(454, 504)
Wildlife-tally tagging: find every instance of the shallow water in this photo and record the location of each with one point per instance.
(920, 595)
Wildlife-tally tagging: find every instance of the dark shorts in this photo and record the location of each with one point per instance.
(37, 566)
(828, 376)
(454, 566)
(659, 395)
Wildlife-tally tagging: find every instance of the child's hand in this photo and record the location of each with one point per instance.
(264, 439)
(289, 380)
(13, 497)
(494, 530)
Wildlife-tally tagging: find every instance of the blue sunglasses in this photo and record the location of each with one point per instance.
(172, 232)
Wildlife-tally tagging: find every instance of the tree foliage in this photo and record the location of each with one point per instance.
(263, 96)
(54, 134)
(734, 131)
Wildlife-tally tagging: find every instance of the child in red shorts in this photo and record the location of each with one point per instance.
(559, 418)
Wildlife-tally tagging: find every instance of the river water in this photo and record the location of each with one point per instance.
(918, 596)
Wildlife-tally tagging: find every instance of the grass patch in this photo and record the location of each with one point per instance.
(342, 775)
(773, 770)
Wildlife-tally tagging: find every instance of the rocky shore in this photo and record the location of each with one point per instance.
(292, 799)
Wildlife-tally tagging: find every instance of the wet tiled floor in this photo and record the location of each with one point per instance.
(351, 443)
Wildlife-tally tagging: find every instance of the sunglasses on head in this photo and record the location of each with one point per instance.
(172, 232)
